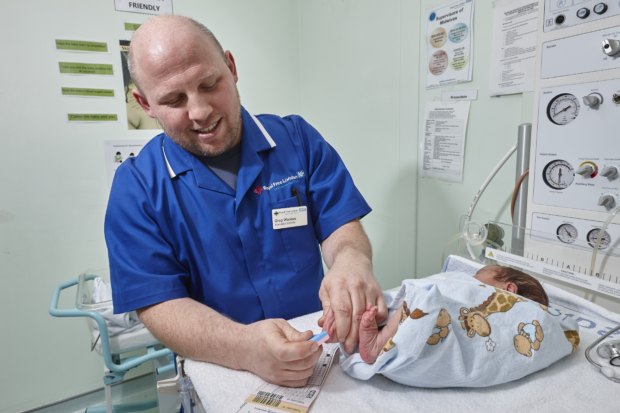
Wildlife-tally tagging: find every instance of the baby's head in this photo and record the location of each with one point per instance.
(514, 281)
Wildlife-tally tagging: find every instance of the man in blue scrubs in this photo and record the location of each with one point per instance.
(213, 231)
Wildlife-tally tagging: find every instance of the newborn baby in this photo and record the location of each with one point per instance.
(416, 346)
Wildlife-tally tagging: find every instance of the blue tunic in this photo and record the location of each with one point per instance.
(174, 229)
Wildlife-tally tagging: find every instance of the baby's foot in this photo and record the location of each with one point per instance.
(369, 347)
(372, 341)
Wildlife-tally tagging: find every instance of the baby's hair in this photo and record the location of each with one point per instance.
(528, 286)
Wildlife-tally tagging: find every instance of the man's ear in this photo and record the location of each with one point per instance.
(143, 102)
(230, 62)
(512, 287)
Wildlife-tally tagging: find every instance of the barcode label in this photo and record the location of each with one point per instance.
(268, 399)
(273, 398)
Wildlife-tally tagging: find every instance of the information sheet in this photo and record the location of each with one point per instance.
(118, 151)
(513, 55)
(445, 124)
(273, 398)
(449, 45)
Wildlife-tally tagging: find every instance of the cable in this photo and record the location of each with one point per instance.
(514, 195)
(598, 243)
(483, 187)
(600, 237)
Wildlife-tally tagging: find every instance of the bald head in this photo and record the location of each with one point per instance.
(162, 35)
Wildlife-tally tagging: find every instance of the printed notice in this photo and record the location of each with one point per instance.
(273, 398)
(559, 273)
(91, 117)
(445, 126)
(81, 46)
(513, 55)
(118, 151)
(156, 7)
(131, 27)
(449, 45)
(87, 92)
(73, 68)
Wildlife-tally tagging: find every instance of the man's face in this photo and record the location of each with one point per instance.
(191, 90)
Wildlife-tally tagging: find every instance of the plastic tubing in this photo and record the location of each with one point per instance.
(483, 187)
(600, 237)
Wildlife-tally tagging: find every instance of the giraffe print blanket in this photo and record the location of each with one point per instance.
(459, 332)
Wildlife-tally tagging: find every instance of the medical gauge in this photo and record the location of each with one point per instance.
(558, 174)
(593, 235)
(567, 233)
(563, 109)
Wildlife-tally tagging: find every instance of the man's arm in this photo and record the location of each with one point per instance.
(271, 349)
(349, 284)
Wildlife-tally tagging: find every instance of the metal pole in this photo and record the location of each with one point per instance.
(523, 164)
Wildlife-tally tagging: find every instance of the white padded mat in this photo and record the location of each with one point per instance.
(570, 385)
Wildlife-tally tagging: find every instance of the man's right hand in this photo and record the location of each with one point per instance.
(271, 349)
(279, 354)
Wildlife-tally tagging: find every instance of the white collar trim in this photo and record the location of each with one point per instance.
(265, 133)
(168, 167)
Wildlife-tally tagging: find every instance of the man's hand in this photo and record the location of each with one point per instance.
(280, 354)
(271, 349)
(349, 285)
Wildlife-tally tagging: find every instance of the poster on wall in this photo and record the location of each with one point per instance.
(136, 116)
(118, 151)
(449, 44)
(443, 146)
(513, 55)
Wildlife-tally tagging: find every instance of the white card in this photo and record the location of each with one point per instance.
(289, 217)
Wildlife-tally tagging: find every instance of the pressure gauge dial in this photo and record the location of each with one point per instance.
(558, 174)
(567, 233)
(563, 109)
(593, 235)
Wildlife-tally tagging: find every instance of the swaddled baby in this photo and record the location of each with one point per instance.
(463, 331)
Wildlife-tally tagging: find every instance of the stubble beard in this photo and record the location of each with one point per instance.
(194, 146)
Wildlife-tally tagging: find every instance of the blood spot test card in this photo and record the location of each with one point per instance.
(273, 398)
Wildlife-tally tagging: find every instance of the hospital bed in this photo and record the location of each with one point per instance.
(568, 385)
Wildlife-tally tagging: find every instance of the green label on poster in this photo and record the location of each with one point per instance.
(82, 46)
(132, 27)
(78, 91)
(91, 117)
(85, 68)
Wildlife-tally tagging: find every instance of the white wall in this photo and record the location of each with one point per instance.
(54, 188)
(359, 88)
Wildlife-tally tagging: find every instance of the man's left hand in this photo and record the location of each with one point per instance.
(349, 285)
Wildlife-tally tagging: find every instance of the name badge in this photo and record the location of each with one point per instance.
(289, 217)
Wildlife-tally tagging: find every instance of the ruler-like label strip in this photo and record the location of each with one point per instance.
(562, 274)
